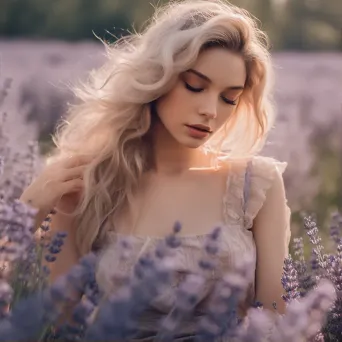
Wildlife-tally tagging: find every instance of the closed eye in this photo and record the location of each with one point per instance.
(195, 90)
(231, 102)
(198, 90)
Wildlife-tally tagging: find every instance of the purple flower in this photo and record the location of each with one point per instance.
(311, 229)
(289, 281)
(257, 325)
(6, 295)
(117, 317)
(188, 295)
(306, 280)
(304, 317)
(55, 246)
(335, 228)
(221, 319)
(189, 291)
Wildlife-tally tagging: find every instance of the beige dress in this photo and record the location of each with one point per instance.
(246, 186)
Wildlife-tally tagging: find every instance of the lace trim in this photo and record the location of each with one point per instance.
(263, 173)
(242, 203)
(185, 260)
(233, 200)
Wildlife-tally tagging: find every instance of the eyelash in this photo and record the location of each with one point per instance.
(198, 90)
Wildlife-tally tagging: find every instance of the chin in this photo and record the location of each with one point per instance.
(192, 143)
(196, 145)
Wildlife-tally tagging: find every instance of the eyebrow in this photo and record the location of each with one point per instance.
(206, 78)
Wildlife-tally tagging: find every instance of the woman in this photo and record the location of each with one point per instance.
(169, 129)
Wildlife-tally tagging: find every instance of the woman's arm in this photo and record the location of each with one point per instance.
(68, 255)
(65, 259)
(271, 229)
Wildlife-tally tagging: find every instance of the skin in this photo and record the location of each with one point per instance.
(181, 165)
(174, 149)
(177, 155)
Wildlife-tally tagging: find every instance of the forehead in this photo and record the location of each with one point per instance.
(224, 68)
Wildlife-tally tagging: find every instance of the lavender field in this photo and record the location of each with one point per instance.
(308, 132)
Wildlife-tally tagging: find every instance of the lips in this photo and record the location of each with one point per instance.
(202, 128)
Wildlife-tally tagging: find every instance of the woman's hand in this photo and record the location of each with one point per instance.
(58, 186)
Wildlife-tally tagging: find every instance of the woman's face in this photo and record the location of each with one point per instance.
(207, 95)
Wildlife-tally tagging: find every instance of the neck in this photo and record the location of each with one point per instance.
(172, 158)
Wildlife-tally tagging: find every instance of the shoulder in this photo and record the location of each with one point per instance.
(260, 168)
(252, 180)
(265, 173)
(266, 185)
(267, 167)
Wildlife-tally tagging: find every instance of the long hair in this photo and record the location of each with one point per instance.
(114, 115)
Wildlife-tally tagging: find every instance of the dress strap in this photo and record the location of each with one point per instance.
(237, 191)
(261, 173)
(247, 186)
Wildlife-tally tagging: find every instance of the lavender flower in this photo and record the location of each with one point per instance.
(188, 293)
(257, 325)
(314, 265)
(30, 310)
(16, 226)
(221, 319)
(306, 280)
(186, 300)
(117, 317)
(289, 280)
(55, 246)
(47, 306)
(2, 163)
(45, 225)
(312, 231)
(335, 229)
(304, 317)
(6, 294)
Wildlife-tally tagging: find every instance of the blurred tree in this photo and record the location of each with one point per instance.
(330, 13)
(312, 25)
(328, 169)
(22, 17)
(291, 24)
(63, 19)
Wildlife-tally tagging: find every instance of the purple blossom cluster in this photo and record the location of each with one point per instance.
(75, 309)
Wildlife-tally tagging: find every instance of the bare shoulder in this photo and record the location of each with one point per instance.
(238, 164)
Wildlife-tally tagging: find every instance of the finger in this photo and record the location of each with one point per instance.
(78, 160)
(72, 185)
(46, 184)
(75, 172)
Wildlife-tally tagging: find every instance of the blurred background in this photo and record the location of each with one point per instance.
(46, 45)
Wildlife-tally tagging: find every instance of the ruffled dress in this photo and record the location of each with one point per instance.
(246, 186)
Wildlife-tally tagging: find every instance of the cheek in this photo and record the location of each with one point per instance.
(224, 114)
(173, 105)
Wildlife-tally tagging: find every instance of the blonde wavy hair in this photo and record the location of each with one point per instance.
(112, 118)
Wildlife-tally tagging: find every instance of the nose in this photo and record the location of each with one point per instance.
(209, 108)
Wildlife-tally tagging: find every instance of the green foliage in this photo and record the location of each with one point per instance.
(312, 25)
(64, 19)
(291, 24)
(328, 169)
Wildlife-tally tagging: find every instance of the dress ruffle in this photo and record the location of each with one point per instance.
(263, 173)
(242, 203)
